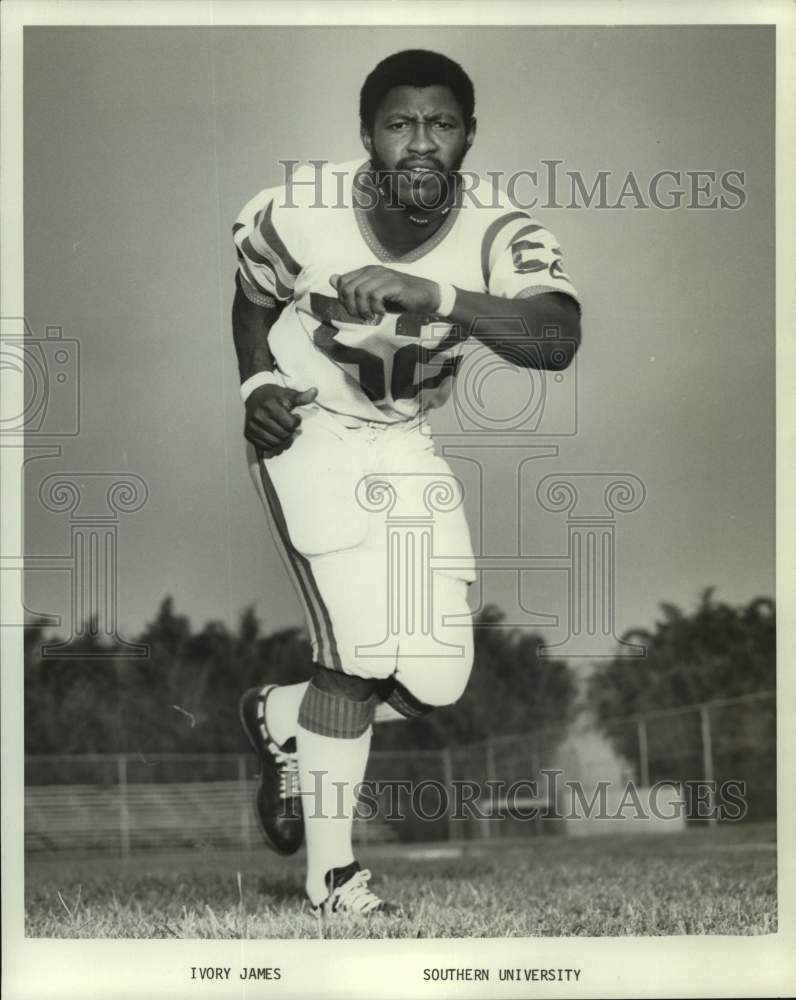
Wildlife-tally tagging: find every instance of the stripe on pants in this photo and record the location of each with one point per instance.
(299, 567)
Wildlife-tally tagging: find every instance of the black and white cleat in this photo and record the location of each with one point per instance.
(277, 805)
(350, 894)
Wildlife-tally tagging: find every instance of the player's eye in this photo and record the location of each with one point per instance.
(443, 126)
(395, 126)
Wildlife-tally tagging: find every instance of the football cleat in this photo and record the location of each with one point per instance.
(350, 894)
(277, 804)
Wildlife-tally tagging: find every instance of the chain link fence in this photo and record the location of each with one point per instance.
(496, 788)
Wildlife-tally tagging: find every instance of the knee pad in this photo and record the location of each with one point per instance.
(349, 686)
(337, 704)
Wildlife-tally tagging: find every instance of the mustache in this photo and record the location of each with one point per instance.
(432, 166)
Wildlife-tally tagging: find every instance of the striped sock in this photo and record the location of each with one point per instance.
(284, 702)
(331, 713)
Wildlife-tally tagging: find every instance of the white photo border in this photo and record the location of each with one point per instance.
(612, 967)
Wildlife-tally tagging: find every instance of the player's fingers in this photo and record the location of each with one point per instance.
(265, 424)
(378, 293)
(282, 446)
(261, 439)
(349, 283)
(362, 302)
(279, 412)
(378, 306)
(345, 295)
(358, 289)
(372, 295)
(357, 274)
(259, 418)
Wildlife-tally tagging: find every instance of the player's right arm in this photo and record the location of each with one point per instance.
(270, 423)
(267, 271)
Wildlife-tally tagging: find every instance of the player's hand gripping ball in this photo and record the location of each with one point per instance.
(271, 421)
(370, 292)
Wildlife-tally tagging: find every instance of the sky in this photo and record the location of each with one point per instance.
(141, 146)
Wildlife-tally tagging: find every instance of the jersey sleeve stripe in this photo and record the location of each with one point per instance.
(268, 232)
(535, 245)
(533, 266)
(491, 234)
(258, 269)
(248, 275)
(526, 231)
(527, 244)
(281, 290)
(265, 250)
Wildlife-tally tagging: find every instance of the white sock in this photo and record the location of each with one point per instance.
(328, 801)
(281, 711)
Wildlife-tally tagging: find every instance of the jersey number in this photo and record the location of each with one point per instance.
(404, 383)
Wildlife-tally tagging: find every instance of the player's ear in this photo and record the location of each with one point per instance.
(367, 139)
(470, 134)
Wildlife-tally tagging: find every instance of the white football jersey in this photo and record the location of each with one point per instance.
(291, 239)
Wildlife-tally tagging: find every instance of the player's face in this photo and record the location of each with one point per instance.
(419, 138)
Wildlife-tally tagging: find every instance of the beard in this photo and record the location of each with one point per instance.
(428, 192)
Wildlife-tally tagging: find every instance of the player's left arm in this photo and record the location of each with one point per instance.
(542, 331)
(538, 331)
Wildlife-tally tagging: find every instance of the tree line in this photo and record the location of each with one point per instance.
(182, 697)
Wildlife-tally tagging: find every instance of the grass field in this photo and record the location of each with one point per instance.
(704, 881)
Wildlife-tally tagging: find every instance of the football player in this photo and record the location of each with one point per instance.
(358, 285)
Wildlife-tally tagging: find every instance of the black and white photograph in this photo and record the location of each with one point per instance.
(394, 557)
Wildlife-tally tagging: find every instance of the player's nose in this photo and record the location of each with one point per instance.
(421, 141)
